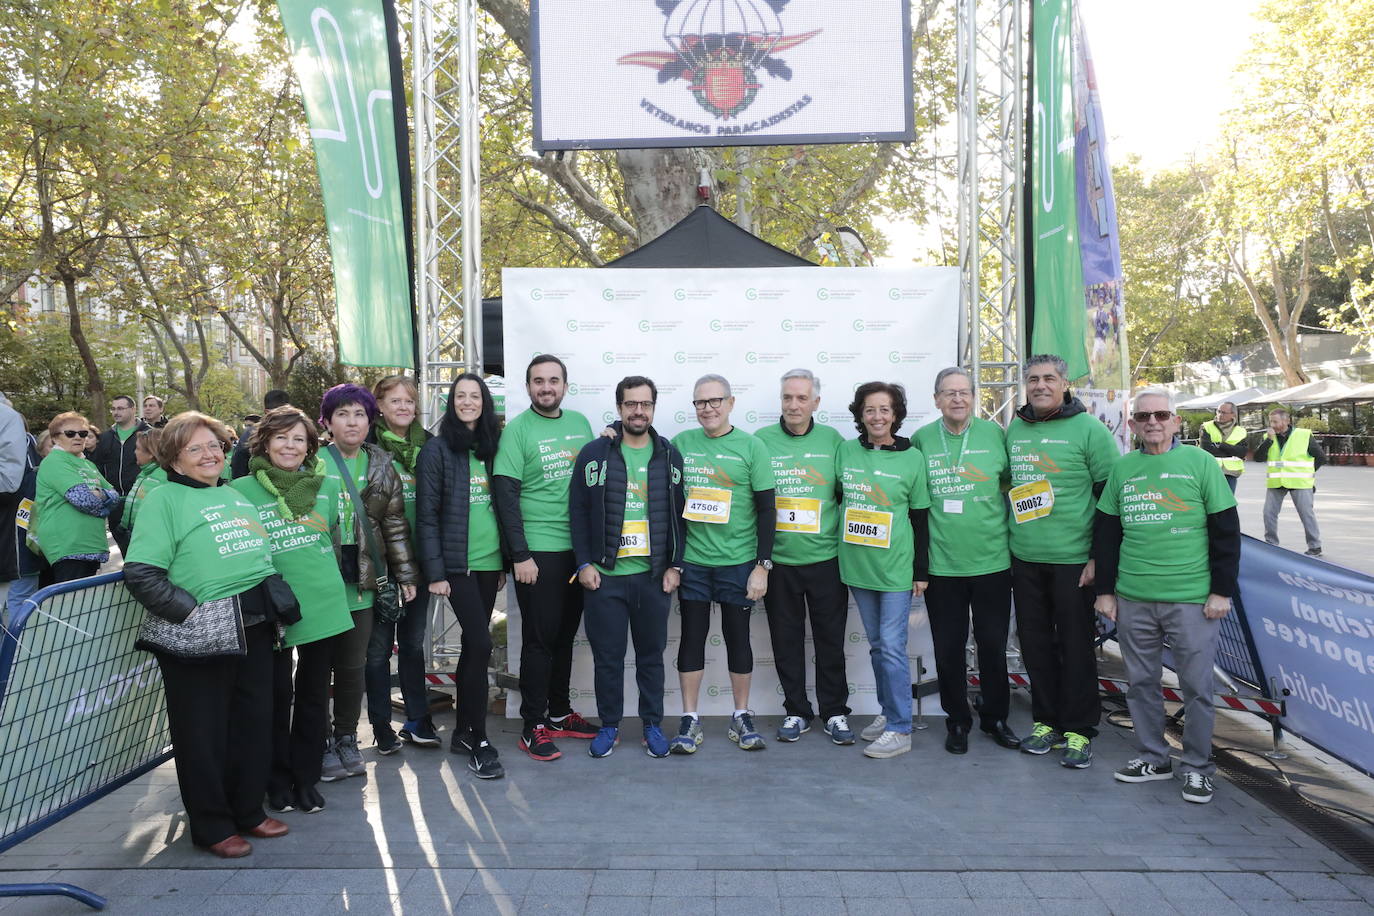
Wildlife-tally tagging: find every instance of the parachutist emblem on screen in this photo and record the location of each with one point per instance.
(718, 48)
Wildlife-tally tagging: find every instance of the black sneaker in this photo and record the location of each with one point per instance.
(280, 800)
(309, 800)
(537, 743)
(387, 743)
(572, 726)
(485, 762)
(420, 732)
(1313, 552)
(462, 742)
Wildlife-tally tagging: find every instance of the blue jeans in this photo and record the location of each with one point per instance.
(885, 617)
(14, 594)
(638, 604)
(408, 634)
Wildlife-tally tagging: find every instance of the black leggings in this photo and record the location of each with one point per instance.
(472, 597)
(734, 625)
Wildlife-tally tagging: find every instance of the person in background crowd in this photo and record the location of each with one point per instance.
(150, 476)
(970, 564)
(348, 412)
(884, 550)
(72, 502)
(398, 433)
(628, 534)
(1292, 457)
(44, 444)
(1167, 546)
(533, 468)
(19, 567)
(152, 411)
(461, 550)
(731, 525)
(200, 565)
(806, 568)
(1224, 439)
(88, 445)
(114, 448)
(1060, 457)
(299, 508)
(274, 398)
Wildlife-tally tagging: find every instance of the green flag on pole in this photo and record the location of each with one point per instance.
(339, 51)
(1059, 314)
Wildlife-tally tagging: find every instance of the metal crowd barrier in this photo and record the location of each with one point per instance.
(81, 710)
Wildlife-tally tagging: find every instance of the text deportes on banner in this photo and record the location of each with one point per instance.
(339, 53)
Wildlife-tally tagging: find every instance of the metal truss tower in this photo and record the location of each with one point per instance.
(991, 88)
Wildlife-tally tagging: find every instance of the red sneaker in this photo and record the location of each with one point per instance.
(538, 745)
(572, 726)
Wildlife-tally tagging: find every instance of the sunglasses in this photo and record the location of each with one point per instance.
(1140, 416)
(76, 433)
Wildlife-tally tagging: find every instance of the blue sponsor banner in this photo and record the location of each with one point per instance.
(1313, 627)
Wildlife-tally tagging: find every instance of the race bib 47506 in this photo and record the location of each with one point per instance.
(867, 527)
(707, 504)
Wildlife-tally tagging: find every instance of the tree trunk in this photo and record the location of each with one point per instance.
(95, 385)
(660, 187)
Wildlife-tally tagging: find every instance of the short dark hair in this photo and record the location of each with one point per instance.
(280, 420)
(894, 391)
(122, 397)
(277, 397)
(545, 358)
(634, 381)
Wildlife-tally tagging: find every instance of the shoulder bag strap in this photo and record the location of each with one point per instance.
(360, 511)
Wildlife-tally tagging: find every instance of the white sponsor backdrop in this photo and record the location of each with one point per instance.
(848, 325)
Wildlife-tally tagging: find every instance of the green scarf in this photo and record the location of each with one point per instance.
(295, 490)
(406, 450)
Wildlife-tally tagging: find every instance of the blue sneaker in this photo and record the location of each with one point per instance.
(605, 741)
(792, 728)
(419, 732)
(689, 737)
(655, 741)
(743, 733)
(837, 727)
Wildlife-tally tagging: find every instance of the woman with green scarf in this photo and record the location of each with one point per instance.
(299, 508)
(151, 475)
(399, 432)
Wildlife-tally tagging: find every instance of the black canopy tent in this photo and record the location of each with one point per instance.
(703, 238)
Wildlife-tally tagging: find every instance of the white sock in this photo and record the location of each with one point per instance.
(695, 717)
(740, 712)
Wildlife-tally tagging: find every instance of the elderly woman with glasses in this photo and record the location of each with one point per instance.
(71, 503)
(201, 565)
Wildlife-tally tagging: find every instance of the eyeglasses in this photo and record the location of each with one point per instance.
(962, 393)
(196, 451)
(1140, 416)
(712, 403)
(646, 405)
(76, 433)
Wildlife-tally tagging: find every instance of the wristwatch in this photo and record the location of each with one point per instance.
(766, 564)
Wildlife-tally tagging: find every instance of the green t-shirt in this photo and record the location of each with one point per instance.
(808, 523)
(1072, 454)
(59, 528)
(124, 434)
(634, 529)
(966, 474)
(877, 544)
(150, 477)
(209, 539)
(407, 491)
(1163, 501)
(303, 552)
(540, 452)
(348, 531)
(484, 540)
(721, 476)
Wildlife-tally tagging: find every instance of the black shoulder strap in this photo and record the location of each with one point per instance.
(359, 511)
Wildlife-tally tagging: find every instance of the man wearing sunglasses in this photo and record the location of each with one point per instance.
(1167, 546)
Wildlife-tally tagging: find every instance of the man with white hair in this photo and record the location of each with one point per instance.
(1167, 545)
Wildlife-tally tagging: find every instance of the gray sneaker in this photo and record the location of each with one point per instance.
(743, 733)
(889, 744)
(875, 729)
(689, 737)
(349, 755)
(332, 768)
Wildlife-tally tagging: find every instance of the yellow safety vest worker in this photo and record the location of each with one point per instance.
(1234, 466)
(1291, 466)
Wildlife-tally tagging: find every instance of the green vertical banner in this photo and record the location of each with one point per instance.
(1059, 324)
(339, 51)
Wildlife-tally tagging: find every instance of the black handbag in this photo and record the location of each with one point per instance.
(388, 606)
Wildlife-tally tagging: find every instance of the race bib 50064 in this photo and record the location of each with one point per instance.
(867, 527)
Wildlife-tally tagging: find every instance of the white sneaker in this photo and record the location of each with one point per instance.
(875, 729)
(889, 744)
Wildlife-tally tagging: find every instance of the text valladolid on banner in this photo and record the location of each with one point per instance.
(339, 53)
(720, 72)
(847, 325)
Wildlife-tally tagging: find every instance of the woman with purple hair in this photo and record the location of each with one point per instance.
(371, 512)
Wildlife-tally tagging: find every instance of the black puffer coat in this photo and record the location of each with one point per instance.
(441, 510)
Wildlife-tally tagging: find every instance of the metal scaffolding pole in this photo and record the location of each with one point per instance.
(990, 84)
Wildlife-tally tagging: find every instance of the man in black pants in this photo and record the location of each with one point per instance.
(533, 466)
(628, 535)
(970, 565)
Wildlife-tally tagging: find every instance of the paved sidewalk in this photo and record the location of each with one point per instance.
(1345, 506)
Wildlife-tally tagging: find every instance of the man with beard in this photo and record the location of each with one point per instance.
(628, 536)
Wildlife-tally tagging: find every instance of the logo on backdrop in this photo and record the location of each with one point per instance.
(722, 49)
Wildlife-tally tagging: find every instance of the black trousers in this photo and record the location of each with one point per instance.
(300, 713)
(71, 570)
(1054, 621)
(636, 603)
(792, 590)
(348, 659)
(550, 613)
(220, 714)
(472, 597)
(948, 600)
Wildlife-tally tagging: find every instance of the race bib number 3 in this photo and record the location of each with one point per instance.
(634, 539)
(1031, 501)
(867, 528)
(708, 505)
(802, 516)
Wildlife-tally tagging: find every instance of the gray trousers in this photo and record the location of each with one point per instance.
(1302, 501)
(1142, 628)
